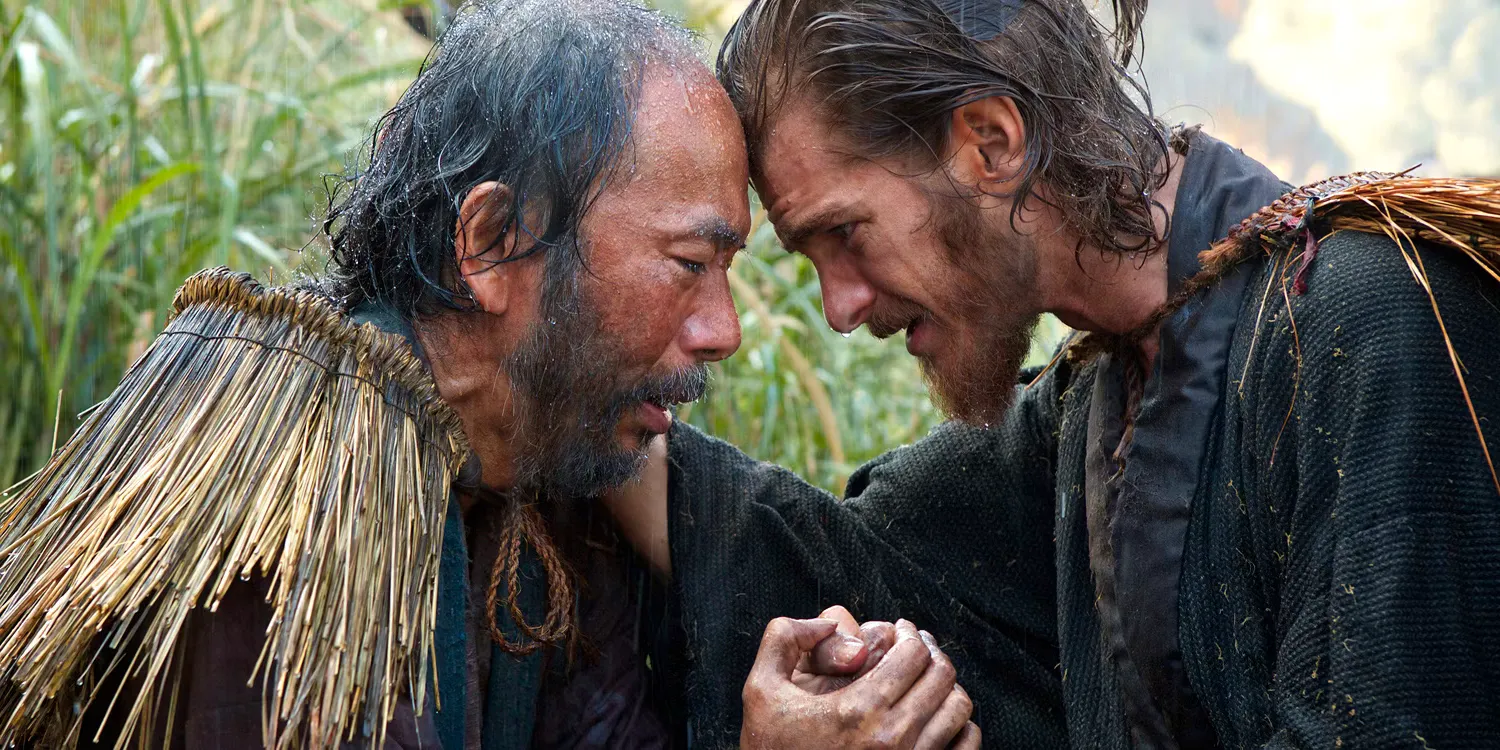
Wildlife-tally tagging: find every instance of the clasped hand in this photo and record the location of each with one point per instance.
(831, 682)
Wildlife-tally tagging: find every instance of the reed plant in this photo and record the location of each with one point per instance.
(142, 140)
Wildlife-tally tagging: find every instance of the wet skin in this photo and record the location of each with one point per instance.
(659, 240)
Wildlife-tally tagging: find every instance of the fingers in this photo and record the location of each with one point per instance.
(951, 719)
(932, 689)
(841, 654)
(847, 624)
(784, 643)
(902, 666)
(968, 739)
(838, 654)
(879, 637)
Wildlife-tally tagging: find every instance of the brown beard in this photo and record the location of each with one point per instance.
(977, 382)
(571, 393)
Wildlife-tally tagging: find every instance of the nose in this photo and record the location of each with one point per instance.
(712, 332)
(847, 297)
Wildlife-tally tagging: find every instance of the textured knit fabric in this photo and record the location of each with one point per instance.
(1139, 491)
(954, 533)
(1341, 578)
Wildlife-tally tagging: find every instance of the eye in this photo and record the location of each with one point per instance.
(843, 231)
(692, 267)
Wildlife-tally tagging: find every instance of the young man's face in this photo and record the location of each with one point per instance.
(891, 253)
(652, 305)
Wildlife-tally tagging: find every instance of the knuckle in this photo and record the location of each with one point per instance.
(962, 704)
(852, 710)
(780, 628)
(910, 649)
(751, 694)
(943, 670)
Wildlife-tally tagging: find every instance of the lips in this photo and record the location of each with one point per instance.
(655, 418)
(919, 338)
(654, 398)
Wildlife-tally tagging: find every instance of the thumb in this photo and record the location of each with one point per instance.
(845, 652)
(784, 643)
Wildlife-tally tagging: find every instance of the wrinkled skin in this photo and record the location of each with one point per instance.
(892, 252)
(564, 395)
(829, 682)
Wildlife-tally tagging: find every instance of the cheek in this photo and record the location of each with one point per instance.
(642, 317)
(908, 264)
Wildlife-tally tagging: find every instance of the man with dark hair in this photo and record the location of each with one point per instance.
(246, 545)
(1251, 504)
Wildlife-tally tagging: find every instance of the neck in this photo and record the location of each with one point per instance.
(1094, 289)
(463, 360)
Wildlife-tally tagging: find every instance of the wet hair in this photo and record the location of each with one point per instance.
(536, 94)
(887, 74)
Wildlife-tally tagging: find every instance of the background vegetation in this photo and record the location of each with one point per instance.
(142, 140)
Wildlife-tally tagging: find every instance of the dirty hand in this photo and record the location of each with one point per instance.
(906, 697)
(851, 651)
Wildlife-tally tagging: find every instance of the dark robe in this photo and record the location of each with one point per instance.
(1299, 548)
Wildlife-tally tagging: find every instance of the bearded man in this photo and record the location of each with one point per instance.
(529, 272)
(1252, 505)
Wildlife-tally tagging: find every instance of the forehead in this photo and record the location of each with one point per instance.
(686, 139)
(804, 165)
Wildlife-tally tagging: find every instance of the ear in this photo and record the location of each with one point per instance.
(478, 245)
(987, 142)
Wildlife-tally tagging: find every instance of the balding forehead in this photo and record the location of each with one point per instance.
(685, 105)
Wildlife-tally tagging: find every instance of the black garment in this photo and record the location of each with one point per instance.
(954, 533)
(1340, 577)
(1139, 491)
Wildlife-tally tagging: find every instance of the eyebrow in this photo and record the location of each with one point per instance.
(794, 234)
(718, 231)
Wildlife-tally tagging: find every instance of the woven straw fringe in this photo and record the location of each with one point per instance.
(261, 434)
(1456, 214)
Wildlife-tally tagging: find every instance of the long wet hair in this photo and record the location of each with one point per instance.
(887, 74)
(538, 95)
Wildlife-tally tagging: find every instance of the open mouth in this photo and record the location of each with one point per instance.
(655, 417)
(918, 338)
(884, 329)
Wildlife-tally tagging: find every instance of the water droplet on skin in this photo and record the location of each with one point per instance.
(847, 334)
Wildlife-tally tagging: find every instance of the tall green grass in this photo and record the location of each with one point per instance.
(142, 140)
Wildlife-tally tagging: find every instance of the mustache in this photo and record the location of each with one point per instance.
(677, 387)
(894, 317)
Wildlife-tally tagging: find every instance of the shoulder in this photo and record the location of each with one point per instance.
(955, 455)
(1372, 278)
(711, 467)
(1368, 297)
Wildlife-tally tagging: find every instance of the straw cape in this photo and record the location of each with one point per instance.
(262, 434)
(1461, 215)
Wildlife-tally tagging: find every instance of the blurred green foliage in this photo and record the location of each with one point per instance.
(142, 140)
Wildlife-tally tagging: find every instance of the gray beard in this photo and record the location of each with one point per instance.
(570, 397)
